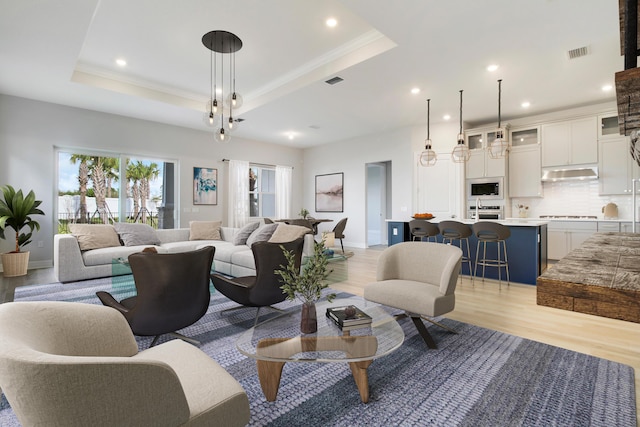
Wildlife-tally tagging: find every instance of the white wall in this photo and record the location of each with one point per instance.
(30, 131)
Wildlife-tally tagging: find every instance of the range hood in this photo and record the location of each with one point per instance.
(581, 172)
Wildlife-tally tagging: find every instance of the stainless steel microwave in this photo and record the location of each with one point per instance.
(485, 188)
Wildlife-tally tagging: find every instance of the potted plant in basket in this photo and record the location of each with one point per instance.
(306, 284)
(15, 212)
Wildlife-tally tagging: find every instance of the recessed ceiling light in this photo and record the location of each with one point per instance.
(331, 22)
(121, 62)
(446, 117)
(415, 90)
(492, 67)
(607, 88)
(526, 104)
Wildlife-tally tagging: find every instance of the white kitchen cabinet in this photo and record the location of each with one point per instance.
(480, 164)
(608, 226)
(616, 167)
(627, 227)
(608, 126)
(565, 236)
(571, 142)
(525, 163)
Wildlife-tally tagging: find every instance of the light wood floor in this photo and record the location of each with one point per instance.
(513, 310)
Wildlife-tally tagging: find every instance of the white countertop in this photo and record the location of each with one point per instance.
(520, 222)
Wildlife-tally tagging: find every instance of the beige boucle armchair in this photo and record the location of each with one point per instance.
(418, 278)
(73, 364)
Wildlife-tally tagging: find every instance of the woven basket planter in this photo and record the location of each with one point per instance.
(15, 263)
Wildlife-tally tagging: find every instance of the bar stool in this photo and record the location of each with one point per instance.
(492, 232)
(454, 230)
(421, 228)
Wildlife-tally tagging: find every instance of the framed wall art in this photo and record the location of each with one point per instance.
(329, 192)
(205, 186)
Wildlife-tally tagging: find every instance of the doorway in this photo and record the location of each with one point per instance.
(378, 183)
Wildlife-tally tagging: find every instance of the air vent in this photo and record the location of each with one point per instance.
(334, 80)
(314, 126)
(577, 53)
(239, 120)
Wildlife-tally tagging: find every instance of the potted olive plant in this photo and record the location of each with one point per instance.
(306, 284)
(15, 212)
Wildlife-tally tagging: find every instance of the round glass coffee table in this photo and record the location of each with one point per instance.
(278, 341)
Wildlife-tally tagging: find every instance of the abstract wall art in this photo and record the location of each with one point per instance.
(205, 186)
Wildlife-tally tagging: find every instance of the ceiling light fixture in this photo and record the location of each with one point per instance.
(607, 88)
(446, 117)
(415, 90)
(526, 104)
(222, 42)
(331, 22)
(428, 157)
(492, 68)
(121, 62)
(498, 147)
(460, 153)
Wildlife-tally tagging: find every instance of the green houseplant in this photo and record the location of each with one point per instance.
(16, 212)
(306, 284)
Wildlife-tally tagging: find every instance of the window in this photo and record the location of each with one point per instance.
(262, 191)
(93, 189)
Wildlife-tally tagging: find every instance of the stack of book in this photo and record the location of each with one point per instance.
(348, 317)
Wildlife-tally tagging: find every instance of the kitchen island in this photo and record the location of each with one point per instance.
(601, 277)
(526, 248)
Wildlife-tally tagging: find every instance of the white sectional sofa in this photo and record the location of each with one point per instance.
(71, 264)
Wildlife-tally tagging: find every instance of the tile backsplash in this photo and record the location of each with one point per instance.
(573, 198)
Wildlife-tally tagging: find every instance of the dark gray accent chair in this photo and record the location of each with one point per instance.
(172, 292)
(263, 289)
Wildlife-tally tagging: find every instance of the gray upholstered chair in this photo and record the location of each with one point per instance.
(418, 278)
(74, 364)
(421, 228)
(488, 232)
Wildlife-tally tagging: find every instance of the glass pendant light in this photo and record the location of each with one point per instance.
(460, 153)
(499, 147)
(222, 42)
(428, 157)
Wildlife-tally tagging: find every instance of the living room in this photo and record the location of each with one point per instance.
(33, 128)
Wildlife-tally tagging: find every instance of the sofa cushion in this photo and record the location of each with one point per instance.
(288, 233)
(226, 251)
(189, 245)
(106, 256)
(94, 236)
(136, 234)
(262, 234)
(243, 234)
(205, 230)
(244, 259)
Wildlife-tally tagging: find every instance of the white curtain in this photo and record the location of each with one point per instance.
(283, 191)
(238, 193)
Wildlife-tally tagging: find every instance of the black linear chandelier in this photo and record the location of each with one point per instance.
(220, 43)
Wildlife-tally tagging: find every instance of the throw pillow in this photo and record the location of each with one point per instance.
(94, 236)
(136, 234)
(243, 234)
(288, 233)
(262, 234)
(205, 230)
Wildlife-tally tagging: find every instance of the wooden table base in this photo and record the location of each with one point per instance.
(270, 372)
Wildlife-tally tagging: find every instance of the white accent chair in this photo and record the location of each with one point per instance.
(74, 364)
(420, 279)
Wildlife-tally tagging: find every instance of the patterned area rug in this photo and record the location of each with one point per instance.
(476, 378)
